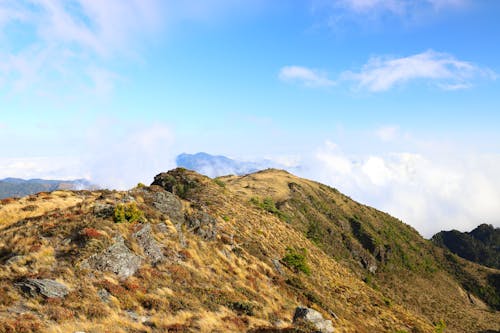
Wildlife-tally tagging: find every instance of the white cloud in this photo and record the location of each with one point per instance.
(71, 36)
(134, 153)
(55, 167)
(387, 133)
(306, 76)
(430, 192)
(116, 155)
(380, 74)
(441, 69)
(402, 8)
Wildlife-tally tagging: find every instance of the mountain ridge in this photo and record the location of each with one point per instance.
(481, 245)
(226, 254)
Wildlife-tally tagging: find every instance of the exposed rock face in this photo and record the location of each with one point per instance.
(151, 248)
(44, 287)
(177, 181)
(168, 204)
(117, 258)
(313, 317)
(277, 266)
(202, 225)
(104, 210)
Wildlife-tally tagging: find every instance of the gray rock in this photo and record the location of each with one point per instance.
(313, 317)
(104, 210)
(168, 204)
(104, 295)
(277, 266)
(117, 258)
(150, 246)
(44, 287)
(15, 259)
(202, 225)
(162, 228)
(134, 316)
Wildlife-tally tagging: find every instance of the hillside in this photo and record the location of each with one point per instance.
(16, 187)
(481, 245)
(387, 254)
(233, 254)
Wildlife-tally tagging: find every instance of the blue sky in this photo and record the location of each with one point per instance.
(394, 102)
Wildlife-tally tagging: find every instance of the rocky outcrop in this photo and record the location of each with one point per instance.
(150, 246)
(117, 258)
(202, 225)
(312, 318)
(167, 203)
(104, 210)
(45, 287)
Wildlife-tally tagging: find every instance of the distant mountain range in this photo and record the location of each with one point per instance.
(215, 166)
(16, 187)
(481, 245)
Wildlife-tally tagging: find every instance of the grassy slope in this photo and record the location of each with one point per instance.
(228, 284)
(225, 285)
(387, 254)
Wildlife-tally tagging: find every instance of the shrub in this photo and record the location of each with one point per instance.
(128, 213)
(220, 183)
(269, 205)
(296, 260)
(91, 233)
(242, 308)
(439, 326)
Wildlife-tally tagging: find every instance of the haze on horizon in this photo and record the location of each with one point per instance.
(395, 103)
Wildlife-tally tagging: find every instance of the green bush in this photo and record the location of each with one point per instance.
(269, 205)
(440, 326)
(296, 260)
(220, 183)
(128, 213)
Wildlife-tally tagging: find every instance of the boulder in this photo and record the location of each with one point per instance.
(44, 287)
(202, 225)
(117, 258)
(168, 204)
(103, 210)
(277, 266)
(150, 246)
(314, 318)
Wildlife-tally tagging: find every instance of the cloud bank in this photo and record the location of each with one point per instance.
(116, 155)
(430, 192)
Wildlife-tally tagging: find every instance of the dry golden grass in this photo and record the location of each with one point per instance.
(39, 204)
(225, 285)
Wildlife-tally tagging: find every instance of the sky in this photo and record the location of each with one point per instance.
(396, 103)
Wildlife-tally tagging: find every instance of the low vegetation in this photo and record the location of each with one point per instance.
(202, 259)
(128, 213)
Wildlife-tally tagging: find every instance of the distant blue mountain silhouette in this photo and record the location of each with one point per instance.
(216, 165)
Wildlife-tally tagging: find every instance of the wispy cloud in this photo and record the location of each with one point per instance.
(375, 10)
(305, 76)
(397, 7)
(381, 74)
(441, 69)
(387, 133)
(70, 36)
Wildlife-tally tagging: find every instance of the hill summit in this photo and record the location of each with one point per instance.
(264, 252)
